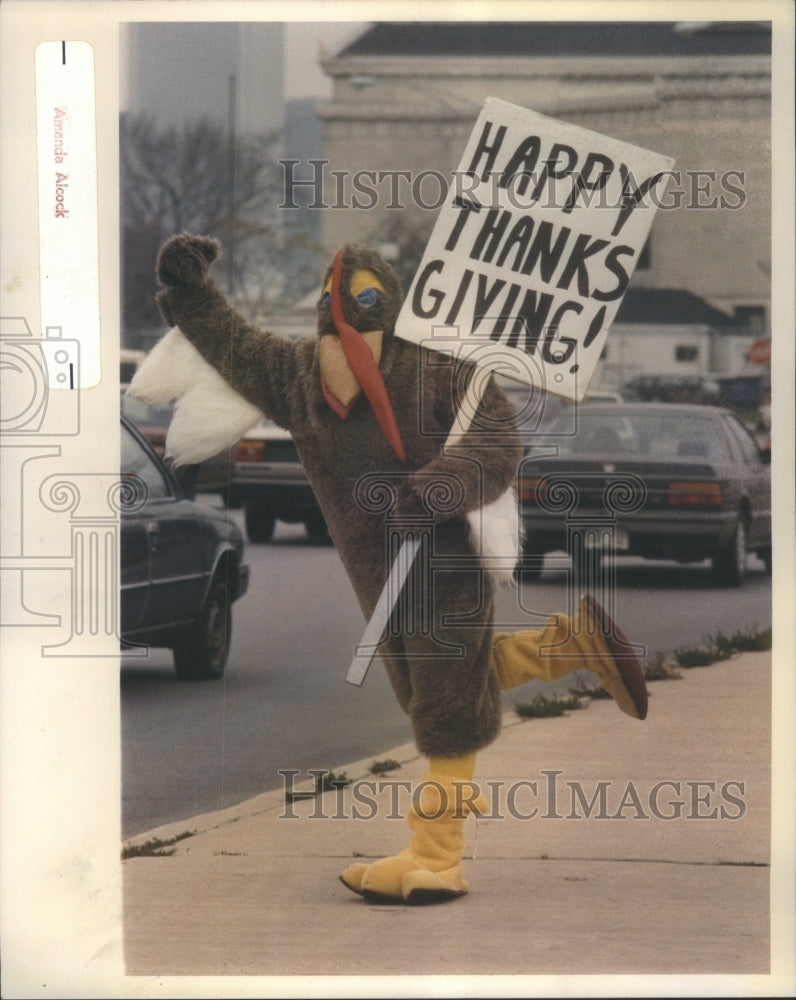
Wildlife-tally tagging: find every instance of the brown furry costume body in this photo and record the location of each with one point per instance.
(442, 675)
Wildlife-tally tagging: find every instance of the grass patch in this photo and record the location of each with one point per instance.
(749, 641)
(329, 781)
(545, 708)
(700, 657)
(155, 848)
(721, 647)
(582, 689)
(660, 669)
(383, 766)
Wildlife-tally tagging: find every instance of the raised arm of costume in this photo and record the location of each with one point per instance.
(259, 365)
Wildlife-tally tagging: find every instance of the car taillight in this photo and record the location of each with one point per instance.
(531, 488)
(695, 494)
(250, 451)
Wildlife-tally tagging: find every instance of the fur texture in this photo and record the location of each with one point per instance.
(438, 647)
(209, 416)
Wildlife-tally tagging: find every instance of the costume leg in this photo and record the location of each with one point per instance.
(591, 639)
(430, 869)
(444, 679)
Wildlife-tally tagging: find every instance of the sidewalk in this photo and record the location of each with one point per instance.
(648, 854)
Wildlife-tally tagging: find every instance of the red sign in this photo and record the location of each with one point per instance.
(760, 352)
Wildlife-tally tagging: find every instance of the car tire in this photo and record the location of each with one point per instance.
(529, 568)
(260, 522)
(587, 568)
(316, 528)
(203, 653)
(729, 561)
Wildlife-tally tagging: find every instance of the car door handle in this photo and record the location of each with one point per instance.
(153, 533)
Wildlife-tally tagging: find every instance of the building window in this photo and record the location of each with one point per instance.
(686, 352)
(753, 318)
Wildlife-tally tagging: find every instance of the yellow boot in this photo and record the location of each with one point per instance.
(430, 869)
(591, 639)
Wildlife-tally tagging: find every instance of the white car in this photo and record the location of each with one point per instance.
(268, 480)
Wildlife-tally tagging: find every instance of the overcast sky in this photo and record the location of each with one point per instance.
(303, 42)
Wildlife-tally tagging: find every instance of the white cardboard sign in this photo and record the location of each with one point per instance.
(532, 253)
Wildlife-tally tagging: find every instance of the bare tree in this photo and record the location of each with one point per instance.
(197, 179)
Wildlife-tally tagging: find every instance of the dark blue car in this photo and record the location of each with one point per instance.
(657, 480)
(182, 565)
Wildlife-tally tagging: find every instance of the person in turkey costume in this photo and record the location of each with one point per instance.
(367, 409)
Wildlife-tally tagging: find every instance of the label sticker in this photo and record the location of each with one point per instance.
(68, 213)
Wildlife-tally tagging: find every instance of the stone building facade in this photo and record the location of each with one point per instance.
(406, 95)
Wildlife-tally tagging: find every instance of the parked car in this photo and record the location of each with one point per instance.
(269, 481)
(657, 480)
(209, 476)
(150, 419)
(604, 396)
(182, 565)
(537, 410)
(670, 388)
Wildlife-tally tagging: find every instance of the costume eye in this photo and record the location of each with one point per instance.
(368, 297)
(327, 299)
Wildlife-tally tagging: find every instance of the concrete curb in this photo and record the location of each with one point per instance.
(254, 889)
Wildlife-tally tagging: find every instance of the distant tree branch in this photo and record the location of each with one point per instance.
(190, 179)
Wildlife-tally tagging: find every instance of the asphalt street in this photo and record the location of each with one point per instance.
(285, 704)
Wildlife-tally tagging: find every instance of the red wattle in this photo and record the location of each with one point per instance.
(362, 363)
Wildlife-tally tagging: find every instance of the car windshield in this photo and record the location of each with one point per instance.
(136, 462)
(651, 435)
(144, 413)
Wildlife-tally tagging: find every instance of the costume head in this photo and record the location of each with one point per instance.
(359, 305)
(362, 268)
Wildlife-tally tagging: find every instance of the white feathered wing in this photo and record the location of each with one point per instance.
(495, 533)
(209, 416)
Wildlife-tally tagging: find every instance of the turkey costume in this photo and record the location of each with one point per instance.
(369, 414)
